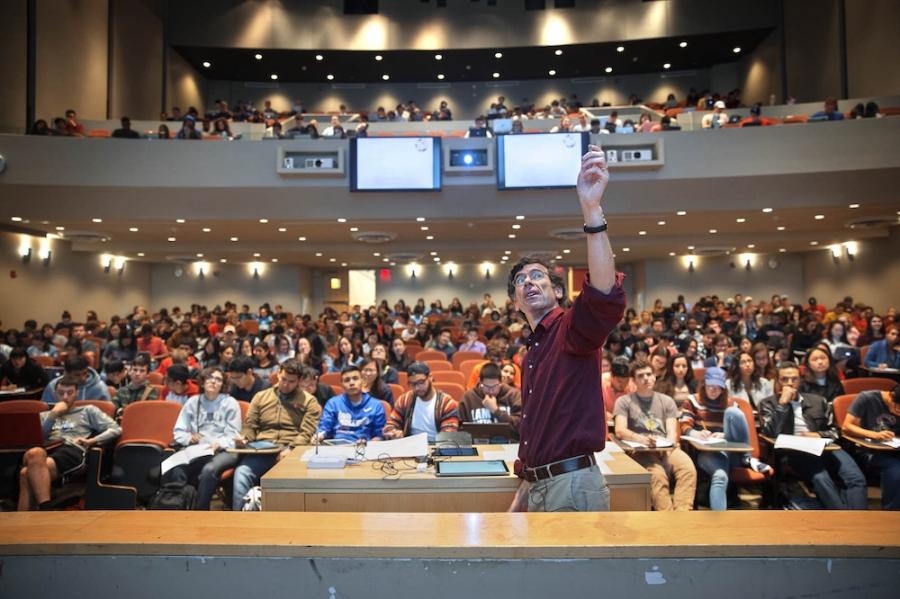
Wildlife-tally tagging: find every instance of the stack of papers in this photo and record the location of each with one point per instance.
(186, 456)
(407, 447)
(661, 442)
(811, 445)
(707, 441)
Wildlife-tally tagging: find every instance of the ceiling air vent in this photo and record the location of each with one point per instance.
(712, 251)
(404, 257)
(84, 236)
(182, 259)
(873, 222)
(374, 236)
(573, 234)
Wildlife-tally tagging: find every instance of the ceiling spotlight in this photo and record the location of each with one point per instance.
(713, 231)
(671, 253)
(498, 54)
(551, 72)
(440, 76)
(141, 254)
(813, 243)
(199, 254)
(767, 210)
(171, 239)
(558, 257)
(740, 220)
(854, 206)
(318, 254)
(819, 216)
(206, 229)
(257, 56)
(96, 220)
(234, 239)
(332, 259)
(517, 226)
(690, 247)
(750, 246)
(343, 264)
(567, 251)
(329, 76)
(438, 57)
(378, 57)
(782, 250)
(180, 221)
(558, 52)
(737, 50)
(206, 64)
(273, 76)
(520, 217)
(660, 222)
(507, 252)
(429, 237)
(385, 259)
(223, 260)
(256, 254)
(263, 221)
(60, 228)
(512, 235)
(681, 213)
(642, 232)
(319, 57)
(342, 220)
(423, 228)
(420, 219)
(133, 229)
(385, 76)
(432, 253)
(354, 229)
(682, 45)
(608, 69)
(620, 49)
(495, 75)
(626, 249)
(781, 228)
(301, 239)
(282, 229)
(274, 259)
(667, 66)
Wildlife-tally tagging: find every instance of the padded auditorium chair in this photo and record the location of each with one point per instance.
(30, 406)
(330, 378)
(397, 390)
(147, 433)
(839, 408)
(467, 366)
(99, 495)
(872, 383)
(225, 478)
(436, 365)
(461, 356)
(448, 376)
(107, 407)
(747, 476)
(430, 354)
(455, 390)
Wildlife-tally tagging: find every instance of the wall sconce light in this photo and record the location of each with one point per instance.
(850, 247)
(747, 260)
(25, 252)
(119, 263)
(256, 269)
(44, 254)
(106, 262)
(411, 270)
(201, 268)
(450, 275)
(688, 261)
(488, 267)
(836, 253)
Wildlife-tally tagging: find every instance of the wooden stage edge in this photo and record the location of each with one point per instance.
(468, 536)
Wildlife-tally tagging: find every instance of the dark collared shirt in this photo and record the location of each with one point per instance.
(563, 413)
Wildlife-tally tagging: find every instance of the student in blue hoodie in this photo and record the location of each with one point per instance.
(354, 415)
(90, 385)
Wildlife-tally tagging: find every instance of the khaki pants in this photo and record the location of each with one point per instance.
(583, 490)
(662, 465)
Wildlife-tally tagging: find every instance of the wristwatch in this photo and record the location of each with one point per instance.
(597, 229)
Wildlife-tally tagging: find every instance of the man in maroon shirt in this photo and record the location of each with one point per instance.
(563, 418)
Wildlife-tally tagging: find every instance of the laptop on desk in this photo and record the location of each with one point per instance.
(20, 430)
(487, 433)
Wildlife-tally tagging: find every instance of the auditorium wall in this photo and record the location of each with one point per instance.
(73, 281)
(760, 73)
(136, 60)
(13, 48)
(185, 86)
(872, 27)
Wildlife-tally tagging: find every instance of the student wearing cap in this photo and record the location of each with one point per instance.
(423, 409)
(717, 118)
(708, 415)
(616, 383)
(755, 119)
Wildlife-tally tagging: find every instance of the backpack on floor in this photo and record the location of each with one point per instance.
(174, 496)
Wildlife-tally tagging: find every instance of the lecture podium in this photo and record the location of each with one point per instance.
(292, 487)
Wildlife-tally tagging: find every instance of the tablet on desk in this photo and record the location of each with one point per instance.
(454, 451)
(473, 468)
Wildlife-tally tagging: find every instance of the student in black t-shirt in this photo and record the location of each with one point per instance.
(876, 415)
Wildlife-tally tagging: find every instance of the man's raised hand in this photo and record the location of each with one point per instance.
(592, 181)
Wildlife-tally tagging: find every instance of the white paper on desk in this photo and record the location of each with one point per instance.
(13, 391)
(407, 447)
(185, 456)
(348, 452)
(508, 452)
(813, 445)
(661, 442)
(895, 443)
(707, 441)
(612, 447)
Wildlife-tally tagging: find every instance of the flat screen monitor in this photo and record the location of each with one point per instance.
(395, 164)
(540, 160)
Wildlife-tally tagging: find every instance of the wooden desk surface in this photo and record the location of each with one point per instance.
(496, 536)
(292, 473)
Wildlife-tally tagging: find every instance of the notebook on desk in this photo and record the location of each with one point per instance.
(21, 430)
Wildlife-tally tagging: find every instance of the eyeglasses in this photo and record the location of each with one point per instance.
(535, 276)
(418, 383)
(216, 379)
(490, 388)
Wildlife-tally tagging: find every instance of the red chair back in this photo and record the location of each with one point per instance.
(840, 406)
(448, 376)
(29, 406)
(872, 383)
(454, 390)
(438, 365)
(461, 356)
(331, 378)
(430, 354)
(397, 390)
(107, 407)
(149, 422)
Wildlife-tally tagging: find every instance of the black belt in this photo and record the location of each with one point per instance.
(560, 467)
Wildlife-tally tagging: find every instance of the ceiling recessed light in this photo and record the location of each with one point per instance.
(782, 250)
(376, 254)
(642, 232)
(440, 76)
(507, 252)
(517, 226)
(767, 210)
(206, 64)
(319, 57)
(354, 229)
(378, 57)
(171, 239)
(385, 259)
(16, 219)
(96, 220)
(432, 253)
(180, 221)
(301, 238)
(512, 235)
(199, 254)
(667, 65)
(495, 75)
(274, 259)
(608, 69)
(256, 254)
(420, 219)
(854, 205)
(133, 229)
(343, 264)
(263, 220)
(329, 76)
(429, 237)
(273, 76)
(682, 45)
(436, 259)
(713, 231)
(751, 246)
(819, 216)
(737, 50)
(690, 247)
(671, 253)
(223, 260)
(385, 76)
(567, 251)
(318, 254)
(781, 228)
(424, 227)
(141, 254)
(257, 56)
(438, 57)
(626, 249)
(558, 52)
(342, 220)
(551, 72)
(520, 217)
(282, 229)
(206, 229)
(332, 259)
(559, 257)
(813, 243)
(498, 54)
(620, 49)
(660, 222)
(681, 213)
(740, 220)
(60, 228)
(234, 239)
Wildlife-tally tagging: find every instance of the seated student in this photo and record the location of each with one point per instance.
(678, 379)
(645, 416)
(616, 383)
(820, 375)
(480, 129)
(472, 342)
(710, 414)
(243, 382)
(354, 415)
(182, 353)
(21, 372)
(722, 356)
(492, 401)
(149, 343)
(115, 374)
(885, 353)
(188, 130)
(423, 409)
(179, 386)
(755, 119)
(745, 382)
(78, 429)
(303, 128)
(876, 415)
(790, 412)
(212, 418)
(715, 119)
(126, 132)
(309, 382)
(372, 384)
(831, 112)
(90, 386)
(284, 415)
(138, 388)
(265, 363)
(442, 343)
